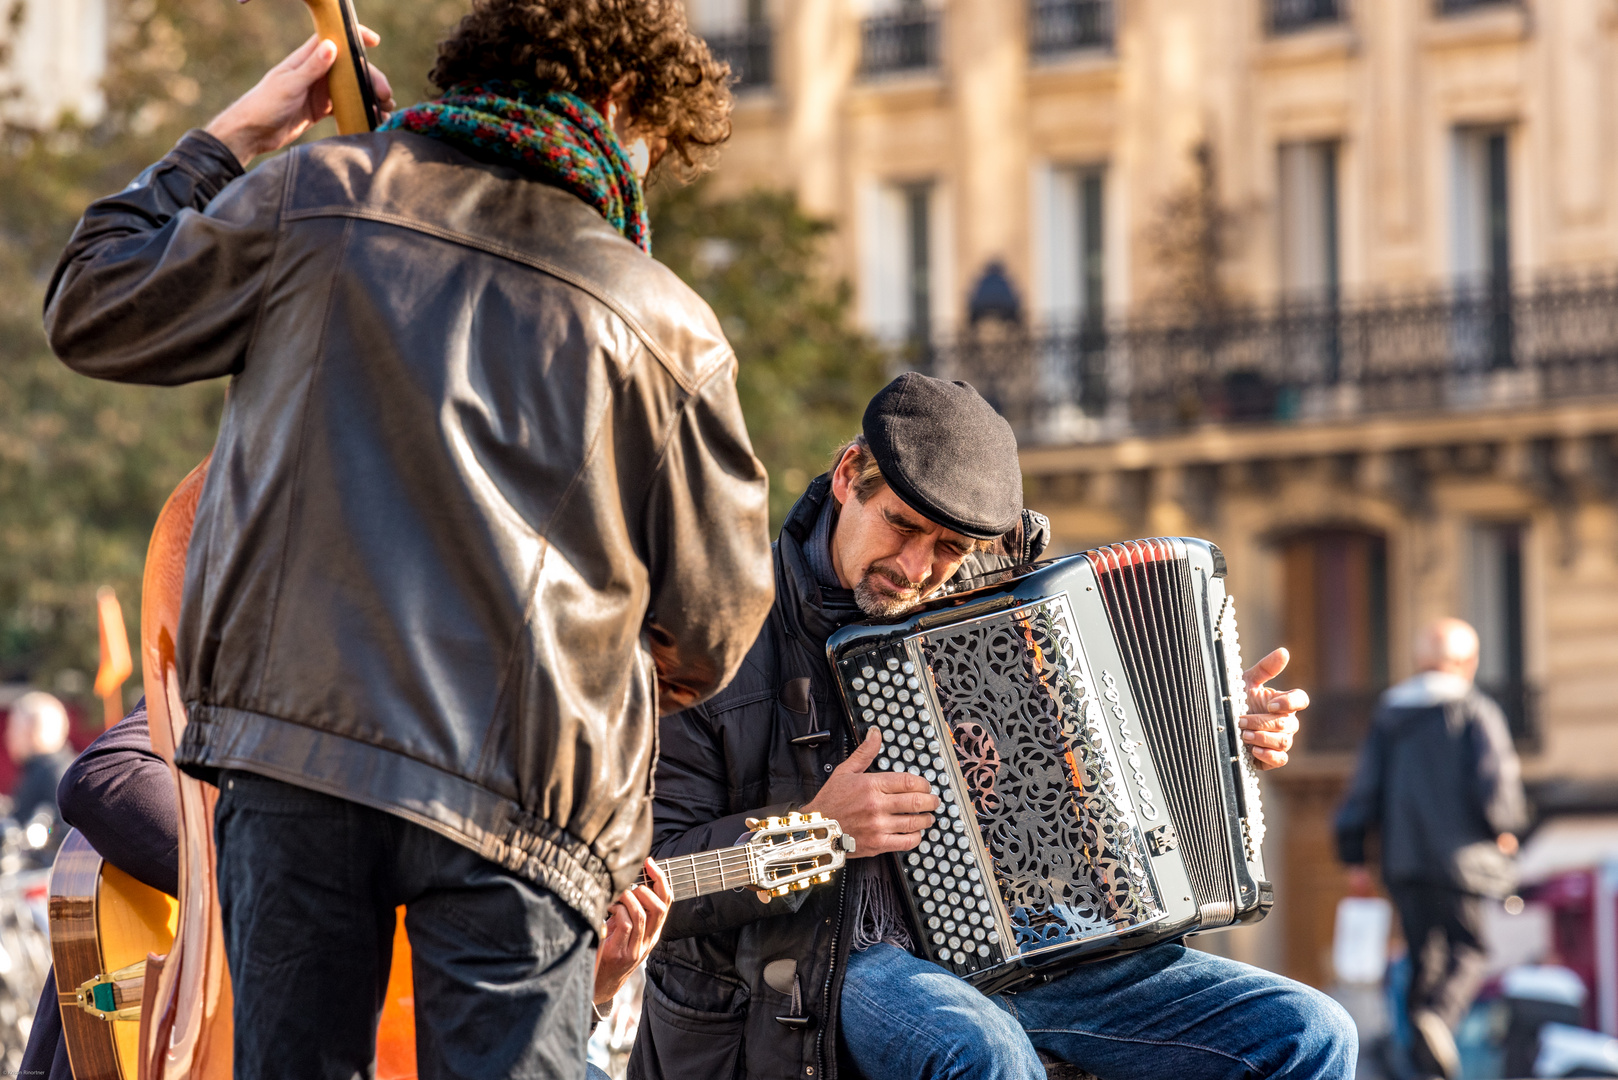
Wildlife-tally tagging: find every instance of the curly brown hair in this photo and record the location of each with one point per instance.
(673, 85)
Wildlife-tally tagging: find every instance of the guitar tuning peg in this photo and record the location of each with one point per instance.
(795, 818)
(783, 890)
(823, 878)
(752, 823)
(814, 816)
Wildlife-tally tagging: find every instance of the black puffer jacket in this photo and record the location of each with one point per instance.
(709, 1011)
(482, 498)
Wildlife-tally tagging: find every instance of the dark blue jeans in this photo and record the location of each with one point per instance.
(1167, 1011)
(308, 885)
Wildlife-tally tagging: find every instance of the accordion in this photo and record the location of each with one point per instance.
(1077, 719)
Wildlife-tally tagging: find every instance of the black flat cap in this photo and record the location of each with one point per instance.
(947, 454)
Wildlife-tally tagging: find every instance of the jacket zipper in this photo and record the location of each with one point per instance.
(831, 971)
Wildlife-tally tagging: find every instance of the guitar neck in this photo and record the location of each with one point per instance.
(705, 872)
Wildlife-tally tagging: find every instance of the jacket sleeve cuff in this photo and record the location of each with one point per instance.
(207, 160)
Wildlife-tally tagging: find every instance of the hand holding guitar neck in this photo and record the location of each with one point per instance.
(634, 923)
(290, 97)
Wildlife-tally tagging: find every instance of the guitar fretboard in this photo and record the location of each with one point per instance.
(705, 872)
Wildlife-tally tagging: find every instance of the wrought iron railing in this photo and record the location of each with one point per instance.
(1455, 7)
(1058, 26)
(906, 40)
(1442, 351)
(750, 52)
(1289, 15)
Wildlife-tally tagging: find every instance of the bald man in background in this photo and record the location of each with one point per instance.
(1438, 779)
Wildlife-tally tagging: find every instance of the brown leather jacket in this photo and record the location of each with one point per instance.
(482, 502)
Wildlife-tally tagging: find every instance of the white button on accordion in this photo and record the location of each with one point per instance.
(1078, 721)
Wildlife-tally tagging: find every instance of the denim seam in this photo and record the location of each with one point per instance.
(1144, 1042)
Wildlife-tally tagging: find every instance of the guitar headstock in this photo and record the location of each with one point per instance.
(794, 851)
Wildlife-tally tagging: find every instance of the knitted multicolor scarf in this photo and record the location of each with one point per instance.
(555, 137)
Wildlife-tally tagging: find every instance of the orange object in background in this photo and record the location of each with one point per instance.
(116, 663)
(396, 1033)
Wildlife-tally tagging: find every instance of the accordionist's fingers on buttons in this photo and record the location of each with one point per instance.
(1269, 740)
(1268, 759)
(912, 801)
(1284, 722)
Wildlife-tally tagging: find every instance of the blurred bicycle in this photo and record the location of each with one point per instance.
(25, 953)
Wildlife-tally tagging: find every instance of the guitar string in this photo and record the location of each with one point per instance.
(693, 875)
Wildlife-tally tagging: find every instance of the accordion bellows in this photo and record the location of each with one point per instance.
(1078, 721)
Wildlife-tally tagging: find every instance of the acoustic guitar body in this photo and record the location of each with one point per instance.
(187, 1034)
(102, 920)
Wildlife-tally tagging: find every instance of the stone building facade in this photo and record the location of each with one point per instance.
(1330, 282)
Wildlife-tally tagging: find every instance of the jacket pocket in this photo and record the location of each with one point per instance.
(676, 1041)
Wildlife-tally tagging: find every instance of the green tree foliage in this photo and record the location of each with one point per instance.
(85, 465)
(804, 373)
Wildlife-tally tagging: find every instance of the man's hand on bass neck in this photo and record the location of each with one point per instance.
(287, 100)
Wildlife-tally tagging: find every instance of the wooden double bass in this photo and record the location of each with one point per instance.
(185, 1025)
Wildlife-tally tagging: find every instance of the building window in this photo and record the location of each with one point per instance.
(1480, 248)
(1289, 15)
(1074, 269)
(738, 33)
(1336, 623)
(1310, 267)
(900, 36)
(1058, 26)
(902, 253)
(1495, 609)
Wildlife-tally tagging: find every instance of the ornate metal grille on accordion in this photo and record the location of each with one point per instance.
(1078, 720)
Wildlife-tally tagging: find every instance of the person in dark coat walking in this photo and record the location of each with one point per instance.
(823, 983)
(1439, 782)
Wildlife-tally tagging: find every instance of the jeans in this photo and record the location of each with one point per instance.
(308, 884)
(1163, 1012)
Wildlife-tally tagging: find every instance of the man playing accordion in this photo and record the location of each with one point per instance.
(829, 979)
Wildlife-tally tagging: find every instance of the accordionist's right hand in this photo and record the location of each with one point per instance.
(882, 811)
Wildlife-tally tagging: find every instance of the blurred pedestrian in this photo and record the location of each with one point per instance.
(1439, 782)
(36, 739)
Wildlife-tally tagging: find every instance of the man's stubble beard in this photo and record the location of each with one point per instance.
(872, 600)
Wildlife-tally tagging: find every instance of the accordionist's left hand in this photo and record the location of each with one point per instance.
(1272, 715)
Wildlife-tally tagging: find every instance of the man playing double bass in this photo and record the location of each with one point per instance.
(482, 505)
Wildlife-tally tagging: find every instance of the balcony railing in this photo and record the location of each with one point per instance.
(906, 40)
(1437, 352)
(1289, 15)
(1058, 26)
(750, 52)
(1456, 7)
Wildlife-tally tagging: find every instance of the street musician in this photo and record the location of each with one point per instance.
(482, 505)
